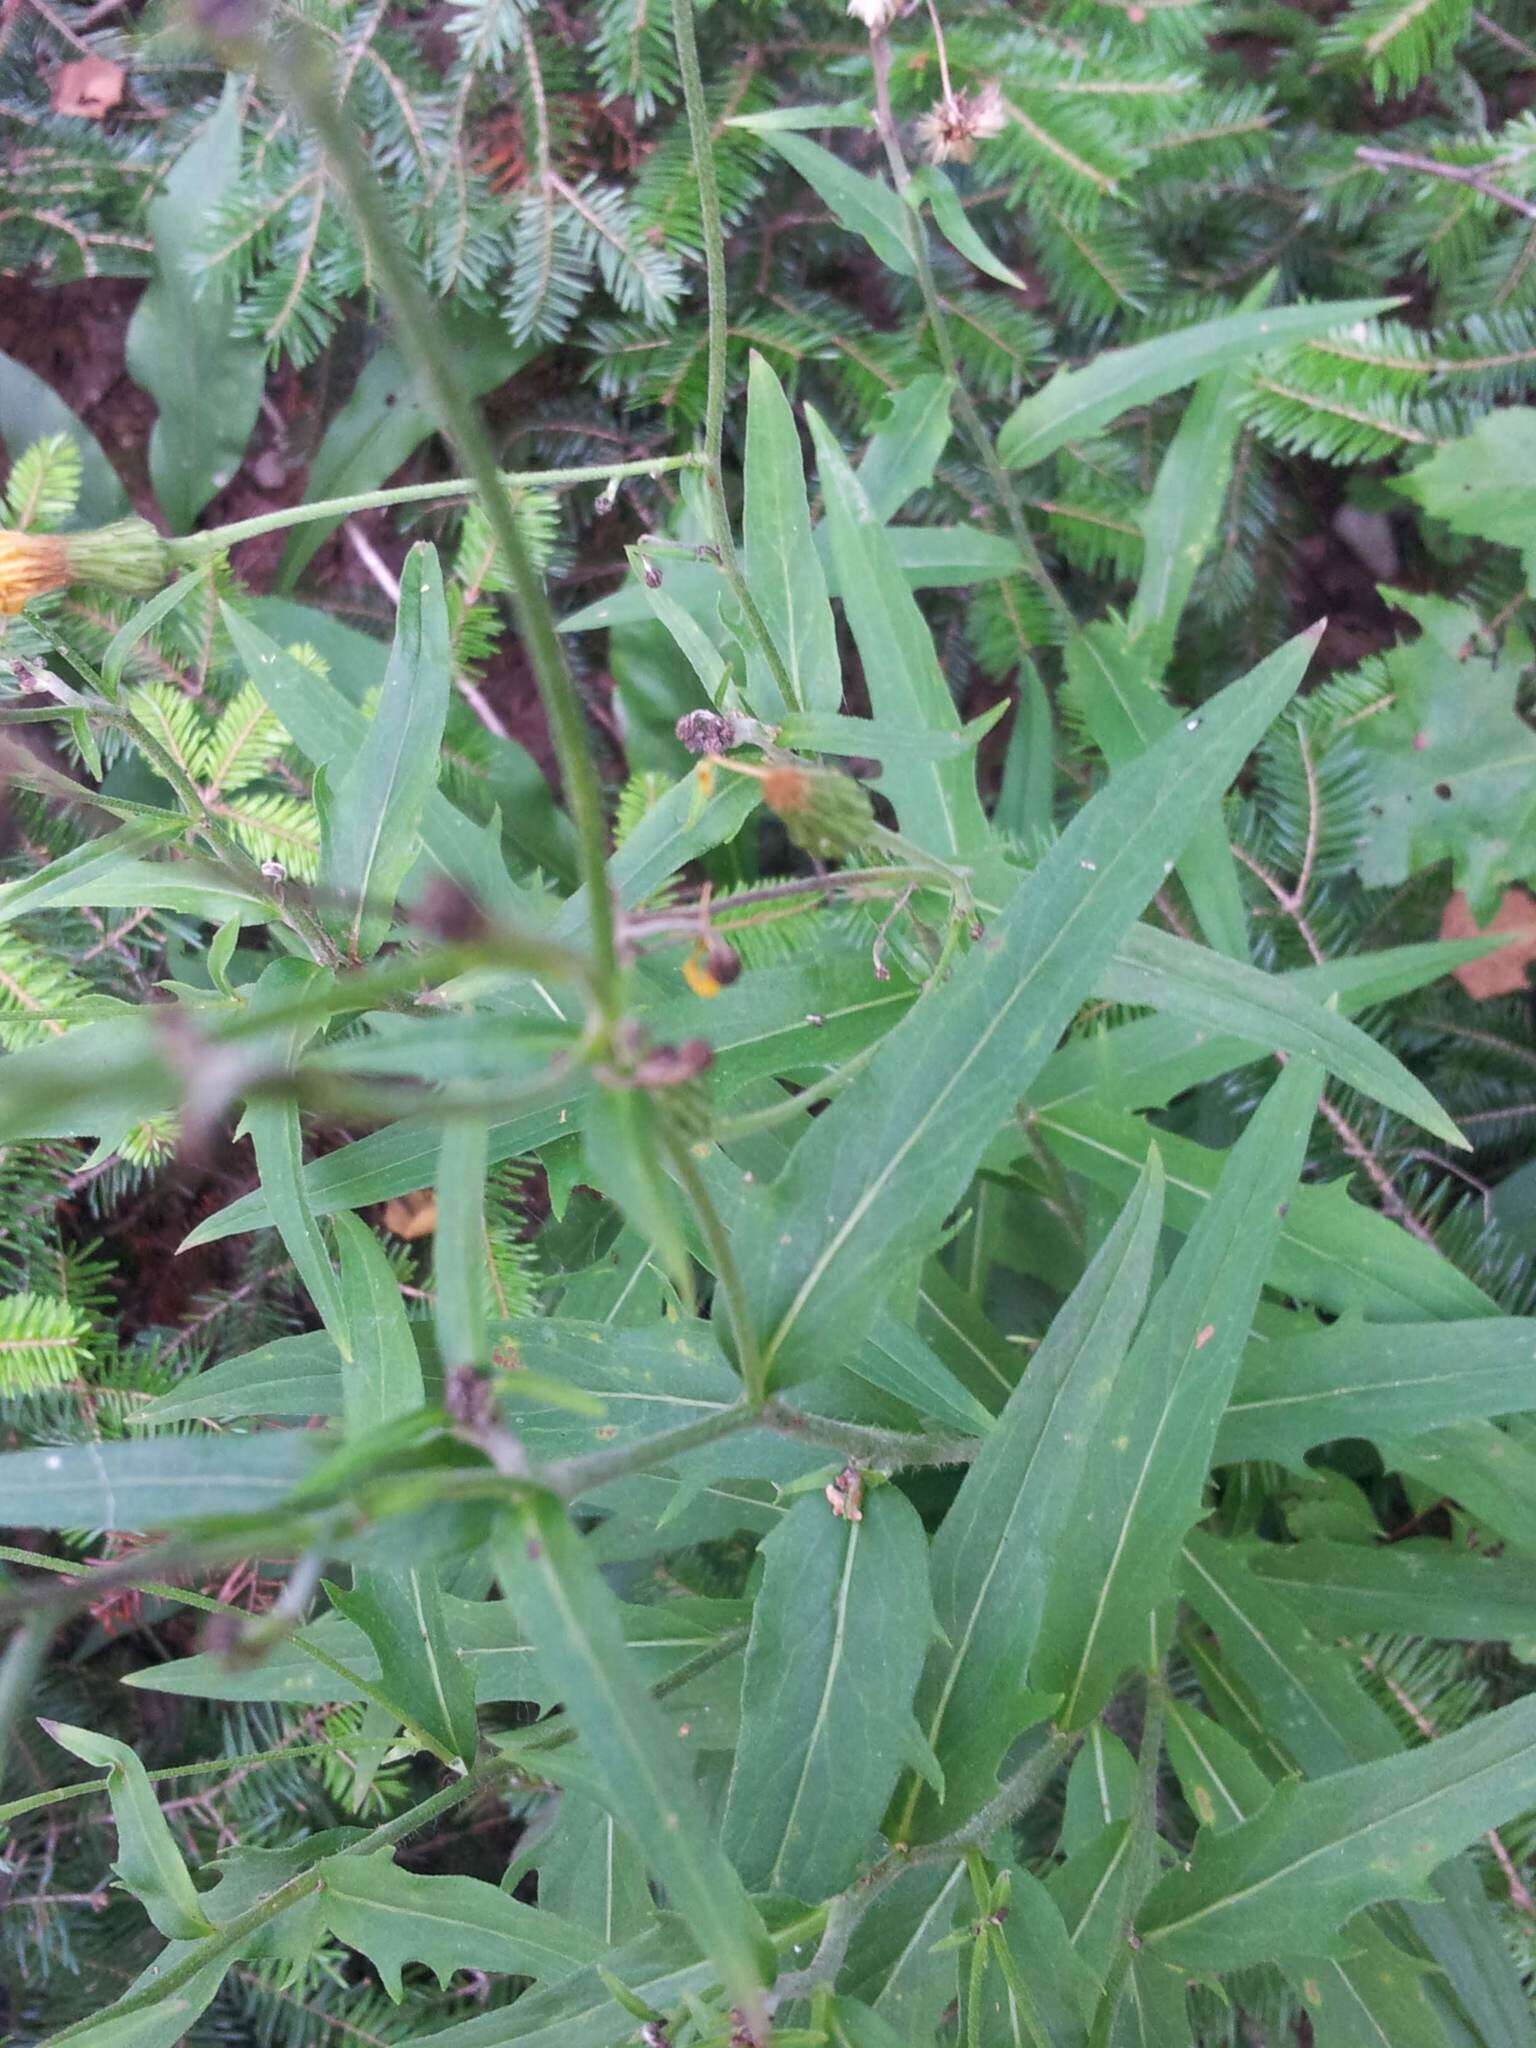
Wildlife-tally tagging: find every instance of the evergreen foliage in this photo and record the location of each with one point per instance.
(637, 1311)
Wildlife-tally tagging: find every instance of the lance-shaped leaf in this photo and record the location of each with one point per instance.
(1285, 1882)
(591, 1871)
(1376, 1380)
(380, 1379)
(1012, 1514)
(1231, 998)
(421, 1672)
(331, 732)
(278, 1142)
(1144, 1064)
(1422, 1587)
(292, 1377)
(1183, 512)
(182, 346)
(781, 562)
(838, 1635)
(459, 1249)
(1114, 691)
(488, 1638)
(903, 451)
(1332, 1250)
(377, 801)
(1142, 1484)
(148, 1862)
(574, 1622)
(876, 1174)
(1279, 1685)
(1077, 404)
(864, 205)
(1375, 1996)
(397, 1916)
(153, 1485)
(936, 801)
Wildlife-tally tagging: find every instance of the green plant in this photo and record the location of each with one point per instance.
(898, 1489)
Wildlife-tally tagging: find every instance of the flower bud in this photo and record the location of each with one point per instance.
(711, 966)
(825, 813)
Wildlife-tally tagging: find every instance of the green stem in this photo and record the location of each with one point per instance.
(219, 537)
(712, 230)
(572, 1478)
(749, 1357)
(845, 1912)
(893, 1447)
(1140, 1862)
(431, 353)
(973, 425)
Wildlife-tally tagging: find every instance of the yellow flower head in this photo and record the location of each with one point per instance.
(31, 564)
(128, 556)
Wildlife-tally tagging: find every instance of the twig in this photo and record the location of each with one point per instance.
(713, 236)
(427, 346)
(1456, 174)
(971, 422)
(1502, 35)
(1392, 1202)
(844, 1913)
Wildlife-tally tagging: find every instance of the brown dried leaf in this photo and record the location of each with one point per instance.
(89, 87)
(1501, 973)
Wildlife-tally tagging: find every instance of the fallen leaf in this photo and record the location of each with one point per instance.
(1501, 973)
(89, 87)
(413, 1215)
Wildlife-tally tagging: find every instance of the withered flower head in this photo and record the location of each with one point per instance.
(706, 732)
(875, 14)
(950, 131)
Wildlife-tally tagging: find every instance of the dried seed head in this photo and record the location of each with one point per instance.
(950, 131)
(706, 732)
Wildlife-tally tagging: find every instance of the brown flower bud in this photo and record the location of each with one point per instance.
(672, 1066)
(705, 732)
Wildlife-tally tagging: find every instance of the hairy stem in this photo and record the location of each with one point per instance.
(971, 422)
(430, 350)
(749, 1357)
(713, 233)
(573, 1477)
(450, 489)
